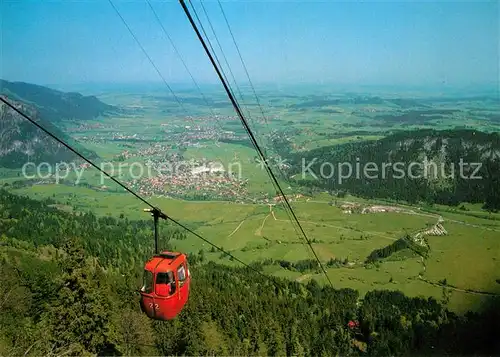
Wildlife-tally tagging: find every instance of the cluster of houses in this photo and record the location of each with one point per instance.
(436, 230)
(86, 127)
(206, 179)
(156, 149)
(201, 177)
(351, 207)
(189, 132)
(210, 185)
(279, 199)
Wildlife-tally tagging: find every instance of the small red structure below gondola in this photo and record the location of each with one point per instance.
(166, 285)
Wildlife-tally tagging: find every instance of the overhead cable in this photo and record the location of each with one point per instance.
(73, 150)
(252, 137)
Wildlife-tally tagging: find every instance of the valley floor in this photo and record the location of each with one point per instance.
(461, 267)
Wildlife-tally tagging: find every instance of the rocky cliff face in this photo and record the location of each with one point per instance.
(22, 142)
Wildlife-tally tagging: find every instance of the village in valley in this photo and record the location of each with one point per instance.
(167, 172)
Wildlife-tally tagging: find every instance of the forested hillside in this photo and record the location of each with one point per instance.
(22, 142)
(54, 105)
(449, 167)
(67, 286)
(117, 242)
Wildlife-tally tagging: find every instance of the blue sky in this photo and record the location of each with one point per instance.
(403, 42)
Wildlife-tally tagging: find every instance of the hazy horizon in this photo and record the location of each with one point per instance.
(438, 44)
(299, 89)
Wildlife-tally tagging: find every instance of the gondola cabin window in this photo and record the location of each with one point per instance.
(165, 284)
(147, 286)
(181, 274)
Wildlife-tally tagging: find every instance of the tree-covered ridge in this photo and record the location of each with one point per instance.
(443, 180)
(54, 105)
(22, 142)
(117, 242)
(75, 296)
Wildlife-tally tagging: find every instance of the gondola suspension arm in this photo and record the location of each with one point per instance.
(156, 213)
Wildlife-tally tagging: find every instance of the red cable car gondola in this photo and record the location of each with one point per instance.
(166, 285)
(165, 290)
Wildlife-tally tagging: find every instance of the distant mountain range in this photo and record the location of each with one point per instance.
(21, 141)
(54, 105)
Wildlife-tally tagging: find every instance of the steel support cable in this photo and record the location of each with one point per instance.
(263, 160)
(227, 63)
(158, 71)
(243, 63)
(221, 126)
(213, 51)
(152, 62)
(147, 55)
(245, 124)
(217, 60)
(297, 231)
(227, 86)
(250, 81)
(208, 41)
(227, 81)
(69, 147)
(258, 103)
(183, 63)
(242, 104)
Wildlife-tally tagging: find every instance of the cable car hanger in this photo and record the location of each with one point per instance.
(156, 213)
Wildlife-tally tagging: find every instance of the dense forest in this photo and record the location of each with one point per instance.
(68, 282)
(118, 242)
(450, 167)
